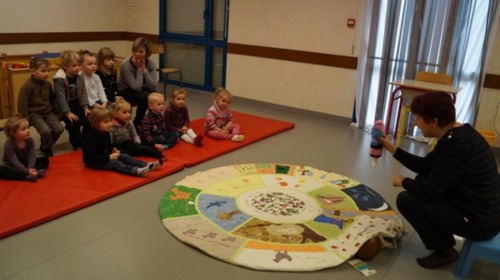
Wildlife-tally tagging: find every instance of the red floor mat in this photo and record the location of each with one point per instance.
(254, 128)
(68, 186)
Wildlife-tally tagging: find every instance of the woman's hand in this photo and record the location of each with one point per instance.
(397, 180)
(139, 63)
(388, 145)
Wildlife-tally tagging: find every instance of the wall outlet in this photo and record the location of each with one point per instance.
(131, 3)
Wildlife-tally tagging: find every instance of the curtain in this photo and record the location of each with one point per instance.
(402, 38)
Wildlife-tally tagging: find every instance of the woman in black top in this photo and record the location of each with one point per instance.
(457, 186)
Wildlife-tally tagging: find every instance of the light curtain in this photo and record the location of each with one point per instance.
(402, 38)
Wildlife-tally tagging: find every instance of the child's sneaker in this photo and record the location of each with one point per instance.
(41, 173)
(198, 141)
(142, 171)
(162, 160)
(238, 138)
(154, 165)
(30, 177)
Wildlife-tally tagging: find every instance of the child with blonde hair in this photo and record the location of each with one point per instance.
(95, 91)
(219, 123)
(71, 97)
(99, 152)
(153, 127)
(124, 135)
(19, 159)
(106, 71)
(177, 118)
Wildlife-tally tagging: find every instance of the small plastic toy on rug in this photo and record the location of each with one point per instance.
(376, 146)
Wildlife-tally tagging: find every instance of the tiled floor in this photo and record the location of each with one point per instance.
(123, 237)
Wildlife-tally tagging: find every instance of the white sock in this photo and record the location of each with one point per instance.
(141, 171)
(191, 133)
(186, 138)
(238, 138)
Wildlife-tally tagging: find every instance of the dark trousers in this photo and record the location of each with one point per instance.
(169, 138)
(139, 99)
(137, 149)
(76, 129)
(437, 221)
(9, 172)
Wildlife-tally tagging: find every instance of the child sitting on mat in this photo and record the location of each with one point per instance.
(177, 118)
(99, 153)
(219, 123)
(20, 161)
(153, 126)
(125, 137)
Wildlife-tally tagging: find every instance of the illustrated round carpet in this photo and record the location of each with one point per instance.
(277, 216)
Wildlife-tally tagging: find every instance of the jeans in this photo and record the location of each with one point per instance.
(124, 164)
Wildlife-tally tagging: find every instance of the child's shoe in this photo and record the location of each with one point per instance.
(154, 165)
(198, 141)
(41, 173)
(162, 160)
(142, 171)
(31, 178)
(238, 138)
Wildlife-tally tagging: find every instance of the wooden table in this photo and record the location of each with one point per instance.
(410, 88)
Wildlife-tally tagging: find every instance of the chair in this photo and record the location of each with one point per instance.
(471, 250)
(165, 71)
(429, 77)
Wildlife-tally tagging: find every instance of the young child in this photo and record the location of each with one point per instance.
(95, 91)
(99, 153)
(107, 72)
(20, 161)
(35, 103)
(153, 126)
(71, 97)
(125, 137)
(177, 118)
(219, 122)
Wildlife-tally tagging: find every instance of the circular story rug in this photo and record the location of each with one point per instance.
(277, 216)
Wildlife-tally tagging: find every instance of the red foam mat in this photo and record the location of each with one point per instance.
(68, 186)
(254, 128)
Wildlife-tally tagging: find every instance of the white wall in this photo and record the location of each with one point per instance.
(318, 26)
(30, 16)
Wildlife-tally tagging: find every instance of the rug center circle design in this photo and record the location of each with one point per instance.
(278, 205)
